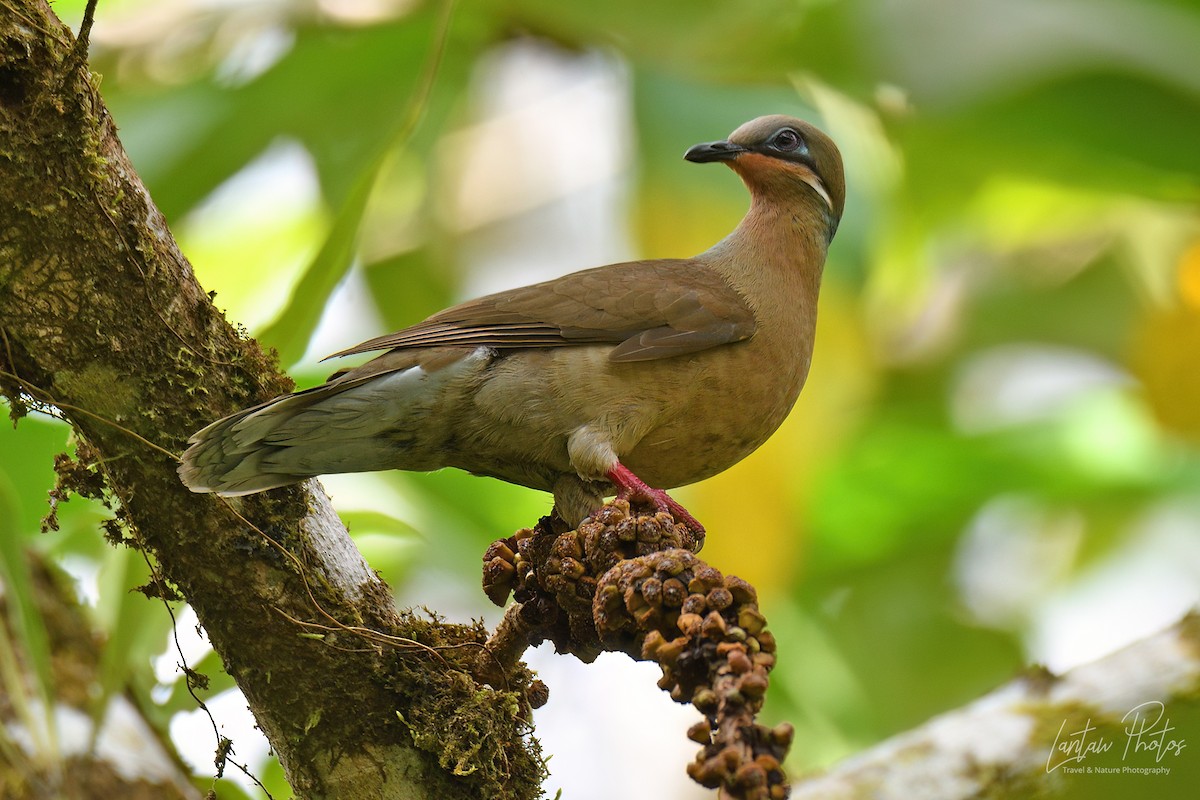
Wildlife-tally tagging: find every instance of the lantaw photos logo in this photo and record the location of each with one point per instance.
(1147, 745)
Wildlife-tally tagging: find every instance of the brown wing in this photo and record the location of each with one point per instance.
(648, 309)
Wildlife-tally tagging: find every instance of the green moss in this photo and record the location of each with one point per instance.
(477, 733)
(105, 392)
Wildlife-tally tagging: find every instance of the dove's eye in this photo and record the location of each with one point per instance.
(786, 140)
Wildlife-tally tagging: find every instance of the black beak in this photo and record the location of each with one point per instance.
(714, 151)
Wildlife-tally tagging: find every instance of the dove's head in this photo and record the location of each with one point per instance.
(786, 159)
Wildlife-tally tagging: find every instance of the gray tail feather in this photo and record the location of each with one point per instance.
(357, 422)
(236, 455)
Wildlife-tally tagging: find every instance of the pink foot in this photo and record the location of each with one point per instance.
(630, 486)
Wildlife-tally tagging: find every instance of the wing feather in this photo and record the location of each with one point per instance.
(647, 309)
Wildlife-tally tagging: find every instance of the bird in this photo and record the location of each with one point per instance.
(627, 379)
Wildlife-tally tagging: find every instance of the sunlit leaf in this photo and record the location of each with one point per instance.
(290, 331)
(135, 625)
(1164, 355)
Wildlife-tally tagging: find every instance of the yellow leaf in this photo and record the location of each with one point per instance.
(1166, 358)
(1189, 276)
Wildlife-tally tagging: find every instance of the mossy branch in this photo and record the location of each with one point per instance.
(102, 319)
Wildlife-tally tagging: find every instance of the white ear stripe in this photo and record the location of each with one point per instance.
(810, 177)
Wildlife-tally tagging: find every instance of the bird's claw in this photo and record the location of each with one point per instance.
(631, 487)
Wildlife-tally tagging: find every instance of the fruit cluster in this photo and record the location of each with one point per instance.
(708, 636)
(628, 580)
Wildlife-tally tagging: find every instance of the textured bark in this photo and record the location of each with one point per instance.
(102, 318)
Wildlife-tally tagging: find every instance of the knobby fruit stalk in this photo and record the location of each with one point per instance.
(628, 580)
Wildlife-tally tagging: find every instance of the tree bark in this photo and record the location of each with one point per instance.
(101, 318)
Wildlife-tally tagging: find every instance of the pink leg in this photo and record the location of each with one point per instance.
(630, 486)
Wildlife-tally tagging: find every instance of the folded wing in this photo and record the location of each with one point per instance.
(648, 309)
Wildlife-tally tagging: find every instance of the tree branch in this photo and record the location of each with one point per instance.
(102, 318)
(1017, 741)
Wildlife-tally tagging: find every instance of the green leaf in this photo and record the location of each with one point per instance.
(897, 629)
(342, 91)
(135, 626)
(408, 287)
(1062, 130)
(290, 332)
(30, 632)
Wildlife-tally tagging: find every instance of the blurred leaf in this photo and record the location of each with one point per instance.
(342, 91)
(211, 666)
(900, 484)
(409, 287)
(135, 625)
(30, 637)
(815, 688)
(290, 332)
(909, 482)
(27, 470)
(712, 40)
(1164, 356)
(376, 522)
(390, 545)
(271, 774)
(1062, 130)
(910, 650)
(469, 512)
(1091, 311)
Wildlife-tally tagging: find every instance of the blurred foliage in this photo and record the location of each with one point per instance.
(1009, 330)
